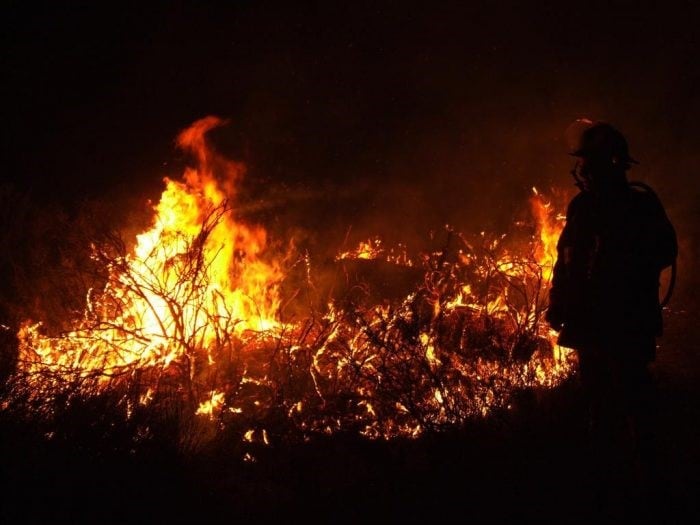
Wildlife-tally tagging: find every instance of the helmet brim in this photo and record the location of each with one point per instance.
(583, 153)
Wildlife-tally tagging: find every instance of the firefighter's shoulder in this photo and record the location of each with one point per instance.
(580, 201)
(645, 198)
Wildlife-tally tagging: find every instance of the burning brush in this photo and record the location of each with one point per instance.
(190, 322)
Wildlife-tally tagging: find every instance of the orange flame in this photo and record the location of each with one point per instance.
(549, 226)
(161, 303)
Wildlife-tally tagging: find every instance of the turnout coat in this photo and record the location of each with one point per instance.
(611, 253)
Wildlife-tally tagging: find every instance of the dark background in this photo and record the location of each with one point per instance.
(388, 117)
(398, 115)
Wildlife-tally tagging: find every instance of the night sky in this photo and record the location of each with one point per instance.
(387, 116)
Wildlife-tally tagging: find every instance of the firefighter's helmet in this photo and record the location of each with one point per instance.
(598, 141)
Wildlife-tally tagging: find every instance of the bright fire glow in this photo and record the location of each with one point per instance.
(193, 278)
(550, 224)
(193, 312)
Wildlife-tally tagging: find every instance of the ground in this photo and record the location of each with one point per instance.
(531, 465)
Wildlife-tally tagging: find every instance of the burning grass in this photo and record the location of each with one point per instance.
(191, 329)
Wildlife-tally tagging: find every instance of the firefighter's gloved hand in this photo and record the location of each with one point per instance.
(554, 317)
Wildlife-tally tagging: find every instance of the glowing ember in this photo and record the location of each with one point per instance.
(373, 249)
(369, 249)
(208, 406)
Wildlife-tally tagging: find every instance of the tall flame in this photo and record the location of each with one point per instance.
(194, 277)
(549, 226)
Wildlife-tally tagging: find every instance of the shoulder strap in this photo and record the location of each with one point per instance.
(636, 184)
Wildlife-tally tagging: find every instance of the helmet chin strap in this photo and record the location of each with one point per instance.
(584, 180)
(580, 181)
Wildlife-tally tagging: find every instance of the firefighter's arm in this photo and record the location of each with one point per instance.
(666, 240)
(662, 241)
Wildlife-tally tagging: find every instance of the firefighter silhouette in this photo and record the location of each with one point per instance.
(604, 299)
